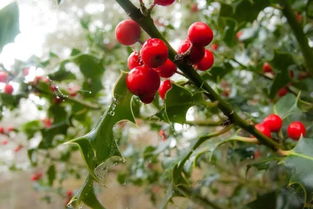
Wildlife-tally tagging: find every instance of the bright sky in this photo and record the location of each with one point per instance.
(36, 21)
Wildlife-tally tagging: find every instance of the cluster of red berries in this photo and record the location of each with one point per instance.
(273, 123)
(4, 78)
(152, 62)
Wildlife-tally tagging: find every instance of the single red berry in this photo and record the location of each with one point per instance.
(134, 60)
(167, 69)
(291, 74)
(47, 122)
(3, 76)
(163, 135)
(57, 100)
(194, 53)
(53, 88)
(215, 46)
(200, 34)
(194, 8)
(239, 34)
(143, 82)
(164, 2)
(257, 154)
(8, 89)
(147, 98)
(164, 87)
(299, 17)
(154, 52)
(263, 129)
(73, 91)
(127, 32)
(267, 68)
(36, 176)
(296, 129)
(206, 62)
(4, 142)
(10, 129)
(273, 122)
(2, 130)
(282, 92)
(69, 193)
(18, 148)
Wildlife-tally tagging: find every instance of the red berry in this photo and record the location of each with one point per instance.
(206, 62)
(134, 60)
(3, 76)
(18, 148)
(4, 142)
(2, 130)
(53, 88)
(194, 7)
(143, 82)
(295, 130)
(10, 128)
(164, 87)
(282, 92)
(8, 89)
(127, 32)
(263, 129)
(239, 34)
(47, 122)
(163, 135)
(214, 47)
(147, 98)
(69, 193)
(200, 34)
(154, 52)
(36, 176)
(167, 69)
(164, 2)
(273, 122)
(267, 68)
(73, 91)
(57, 100)
(195, 53)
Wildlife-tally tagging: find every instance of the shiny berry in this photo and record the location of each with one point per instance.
(134, 60)
(36, 176)
(273, 122)
(3, 76)
(164, 2)
(143, 82)
(282, 92)
(167, 69)
(127, 32)
(263, 129)
(267, 68)
(154, 52)
(206, 62)
(2, 130)
(295, 130)
(200, 34)
(193, 53)
(148, 98)
(164, 87)
(214, 47)
(8, 89)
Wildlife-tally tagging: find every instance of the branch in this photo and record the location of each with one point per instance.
(299, 34)
(146, 22)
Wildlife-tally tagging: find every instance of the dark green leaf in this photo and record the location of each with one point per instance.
(51, 172)
(286, 106)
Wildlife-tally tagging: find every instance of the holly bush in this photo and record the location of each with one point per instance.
(236, 135)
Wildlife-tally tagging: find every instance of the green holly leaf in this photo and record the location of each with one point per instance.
(89, 65)
(98, 147)
(178, 101)
(62, 74)
(300, 163)
(31, 127)
(86, 195)
(9, 24)
(286, 106)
